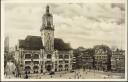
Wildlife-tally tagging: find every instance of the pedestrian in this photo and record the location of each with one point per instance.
(78, 77)
(19, 74)
(104, 77)
(5, 73)
(25, 72)
(13, 73)
(26, 76)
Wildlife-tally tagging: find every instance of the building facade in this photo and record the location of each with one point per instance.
(41, 54)
(83, 58)
(102, 57)
(118, 60)
(6, 50)
(87, 59)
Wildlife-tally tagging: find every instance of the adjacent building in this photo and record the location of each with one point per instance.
(41, 54)
(88, 59)
(118, 60)
(102, 57)
(83, 58)
(77, 64)
(6, 50)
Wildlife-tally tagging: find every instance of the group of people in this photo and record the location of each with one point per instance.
(26, 75)
(9, 71)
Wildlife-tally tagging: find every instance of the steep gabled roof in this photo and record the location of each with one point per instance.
(60, 45)
(35, 43)
(31, 43)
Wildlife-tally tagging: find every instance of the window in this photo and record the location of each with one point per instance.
(66, 62)
(27, 56)
(60, 66)
(60, 61)
(35, 67)
(49, 56)
(66, 56)
(27, 62)
(66, 66)
(42, 62)
(36, 56)
(48, 62)
(27, 68)
(36, 62)
(60, 56)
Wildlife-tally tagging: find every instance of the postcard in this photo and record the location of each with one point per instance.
(64, 40)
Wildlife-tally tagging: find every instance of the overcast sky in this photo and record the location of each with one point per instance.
(83, 24)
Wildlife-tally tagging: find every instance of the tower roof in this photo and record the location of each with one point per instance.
(47, 9)
(47, 20)
(47, 12)
(31, 43)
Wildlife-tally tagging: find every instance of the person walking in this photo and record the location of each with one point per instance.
(26, 76)
(60, 75)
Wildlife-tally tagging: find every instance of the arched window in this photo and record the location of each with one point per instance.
(27, 56)
(49, 56)
(60, 66)
(27, 68)
(66, 66)
(35, 68)
(49, 67)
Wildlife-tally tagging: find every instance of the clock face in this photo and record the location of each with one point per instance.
(48, 19)
(48, 40)
(48, 36)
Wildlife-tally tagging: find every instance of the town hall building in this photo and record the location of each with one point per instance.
(41, 54)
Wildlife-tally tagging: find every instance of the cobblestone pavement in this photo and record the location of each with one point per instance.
(78, 74)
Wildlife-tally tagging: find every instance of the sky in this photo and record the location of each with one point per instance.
(80, 24)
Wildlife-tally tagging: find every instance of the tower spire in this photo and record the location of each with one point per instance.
(47, 9)
(47, 31)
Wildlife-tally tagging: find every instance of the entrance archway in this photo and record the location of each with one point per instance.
(49, 68)
(35, 69)
(27, 69)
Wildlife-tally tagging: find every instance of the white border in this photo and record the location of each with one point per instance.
(65, 1)
(126, 38)
(2, 40)
(59, 1)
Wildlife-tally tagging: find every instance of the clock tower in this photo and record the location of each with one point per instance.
(47, 31)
